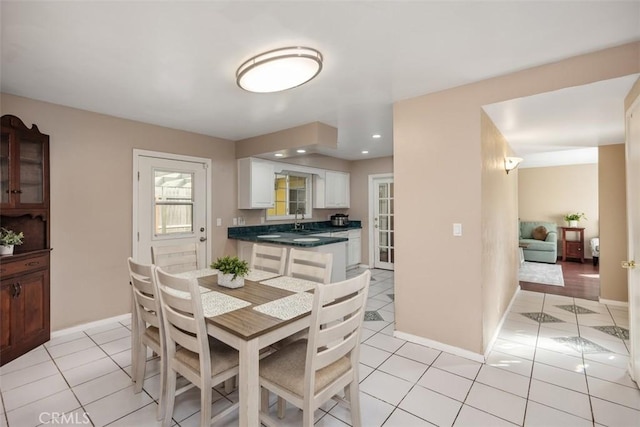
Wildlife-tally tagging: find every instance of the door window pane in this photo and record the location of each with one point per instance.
(173, 202)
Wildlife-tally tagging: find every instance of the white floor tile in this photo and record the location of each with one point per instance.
(41, 411)
(431, 406)
(364, 371)
(612, 359)
(80, 358)
(33, 392)
(115, 406)
(100, 387)
(472, 417)
(543, 416)
(560, 398)
(373, 411)
(446, 383)
(503, 380)
(35, 356)
(575, 381)
(71, 347)
(497, 402)
(143, 417)
(559, 360)
(404, 368)
(90, 371)
(515, 349)
(611, 414)
(510, 363)
(457, 365)
(64, 339)
(372, 356)
(400, 418)
(111, 335)
(612, 392)
(386, 387)
(27, 375)
(609, 373)
(419, 353)
(117, 346)
(385, 342)
(102, 328)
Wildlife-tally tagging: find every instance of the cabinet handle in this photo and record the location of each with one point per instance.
(19, 286)
(33, 263)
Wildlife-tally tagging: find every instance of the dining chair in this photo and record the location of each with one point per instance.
(268, 258)
(146, 325)
(191, 352)
(175, 258)
(309, 372)
(309, 265)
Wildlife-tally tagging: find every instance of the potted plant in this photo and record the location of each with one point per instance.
(9, 238)
(573, 218)
(232, 271)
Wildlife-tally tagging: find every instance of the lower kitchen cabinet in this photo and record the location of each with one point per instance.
(24, 303)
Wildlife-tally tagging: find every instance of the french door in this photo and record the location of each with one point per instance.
(170, 203)
(633, 218)
(382, 218)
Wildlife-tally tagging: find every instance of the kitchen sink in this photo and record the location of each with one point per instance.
(306, 239)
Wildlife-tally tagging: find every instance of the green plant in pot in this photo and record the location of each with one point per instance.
(232, 271)
(573, 218)
(8, 239)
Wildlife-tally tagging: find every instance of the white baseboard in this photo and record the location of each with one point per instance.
(440, 346)
(613, 302)
(84, 326)
(504, 317)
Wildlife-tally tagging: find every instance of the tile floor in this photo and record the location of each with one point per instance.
(559, 361)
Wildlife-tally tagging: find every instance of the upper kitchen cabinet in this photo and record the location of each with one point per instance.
(256, 180)
(24, 166)
(331, 190)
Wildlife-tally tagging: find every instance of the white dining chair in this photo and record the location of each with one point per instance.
(175, 258)
(309, 265)
(146, 326)
(268, 258)
(307, 373)
(191, 352)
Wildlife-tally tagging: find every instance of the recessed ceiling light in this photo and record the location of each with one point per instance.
(279, 155)
(376, 136)
(365, 152)
(301, 151)
(279, 69)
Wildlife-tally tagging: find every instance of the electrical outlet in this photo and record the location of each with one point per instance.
(457, 229)
(240, 220)
(219, 222)
(234, 221)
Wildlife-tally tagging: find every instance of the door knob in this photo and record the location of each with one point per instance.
(202, 239)
(629, 264)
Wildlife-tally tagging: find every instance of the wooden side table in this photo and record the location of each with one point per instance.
(573, 248)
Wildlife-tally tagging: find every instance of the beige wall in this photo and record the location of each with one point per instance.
(360, 171)
(613, 222)
(91, 201)
(549, 193)
(438, 173)
(500, 254)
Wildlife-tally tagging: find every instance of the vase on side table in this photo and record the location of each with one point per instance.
(573, 224)
(6, 249)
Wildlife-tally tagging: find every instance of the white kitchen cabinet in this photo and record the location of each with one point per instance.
(255, 184)
(354, 248)
(331, 190)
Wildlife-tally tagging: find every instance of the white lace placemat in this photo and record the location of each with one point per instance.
(216, 303)
(196, 274)
(288, 307)
(290, 284)
(259, 275)
(183, 294)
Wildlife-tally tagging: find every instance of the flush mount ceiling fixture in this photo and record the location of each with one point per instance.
(279, 69)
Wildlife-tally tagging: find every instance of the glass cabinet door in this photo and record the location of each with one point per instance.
(31, 160)
(5, 190)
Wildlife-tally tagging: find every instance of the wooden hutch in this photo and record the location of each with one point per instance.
(24, 207)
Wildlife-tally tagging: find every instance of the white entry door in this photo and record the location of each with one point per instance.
(633, 218)
(383, 222)
(170, 203)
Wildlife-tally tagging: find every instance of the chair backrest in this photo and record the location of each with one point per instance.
(145, 296)
(176, 258)
(308, 265)
(183, 316)
(268, 258)
(337, 315)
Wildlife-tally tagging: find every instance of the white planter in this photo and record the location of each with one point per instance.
(6, 250)
(573, 224)
(228, 281)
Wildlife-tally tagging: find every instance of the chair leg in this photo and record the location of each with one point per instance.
(353, 393)
(307, 417)
(264, 400)
(140, 362)
(205, 404)
(162, 400)
(170, 397)
(229, 385)
(282, 407)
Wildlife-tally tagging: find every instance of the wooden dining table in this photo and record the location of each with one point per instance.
(249, 331)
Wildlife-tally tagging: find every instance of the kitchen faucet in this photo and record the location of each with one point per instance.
(296, 223)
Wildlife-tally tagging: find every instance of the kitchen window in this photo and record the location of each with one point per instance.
(292, 194)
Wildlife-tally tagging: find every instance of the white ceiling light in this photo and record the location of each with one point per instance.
(279, 155)
(376, 136)
(279, 69)
(365, 152)
(301, 151)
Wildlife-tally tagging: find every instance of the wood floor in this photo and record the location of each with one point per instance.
(580, 281)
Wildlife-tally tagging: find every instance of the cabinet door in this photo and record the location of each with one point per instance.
(355, 247)
(7, 328)
(256, 181)
(337, 189)
(5, 168)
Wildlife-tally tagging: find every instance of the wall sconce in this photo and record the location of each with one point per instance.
(510, 163)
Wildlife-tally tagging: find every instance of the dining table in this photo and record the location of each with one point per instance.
(278, 307)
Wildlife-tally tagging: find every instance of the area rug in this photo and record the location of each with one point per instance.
(536, 272)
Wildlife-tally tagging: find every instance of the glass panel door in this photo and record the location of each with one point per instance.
(383, 224)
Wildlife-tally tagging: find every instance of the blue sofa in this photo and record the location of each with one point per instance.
(539, 250)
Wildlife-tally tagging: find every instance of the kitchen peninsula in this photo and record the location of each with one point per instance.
(313, 236)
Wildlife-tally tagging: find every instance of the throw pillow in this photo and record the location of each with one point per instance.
(540, 233)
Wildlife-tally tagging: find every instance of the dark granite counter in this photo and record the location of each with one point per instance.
(284, 234)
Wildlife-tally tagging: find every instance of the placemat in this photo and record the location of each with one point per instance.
(196, 274)
(216, 303)
(288, 307)
(183, 294)
(259, 275)
(290, 284)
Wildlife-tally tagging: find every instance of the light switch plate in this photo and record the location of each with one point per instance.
(457, 229)
(218, 222)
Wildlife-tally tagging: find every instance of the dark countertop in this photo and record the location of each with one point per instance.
(284, 234)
